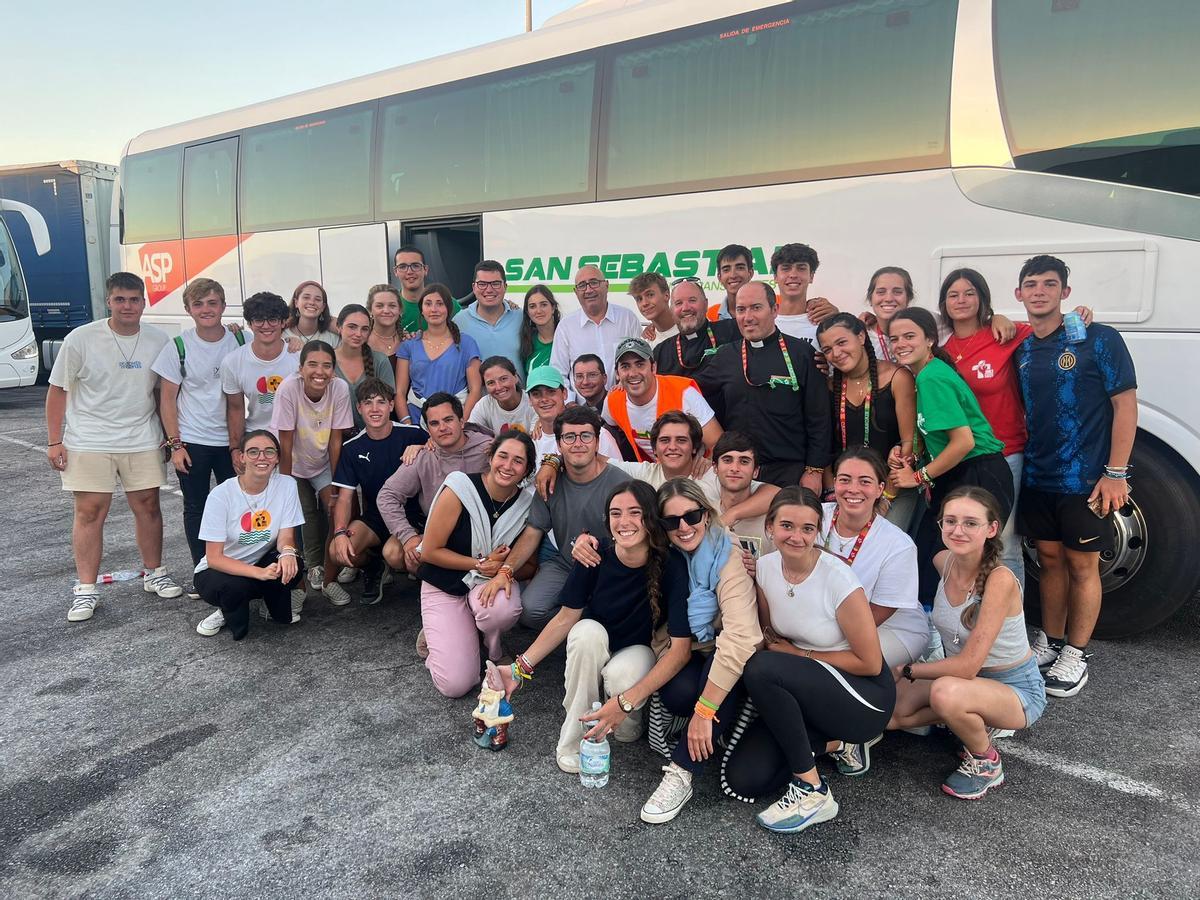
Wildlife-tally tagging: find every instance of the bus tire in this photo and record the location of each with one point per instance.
(1153, 570)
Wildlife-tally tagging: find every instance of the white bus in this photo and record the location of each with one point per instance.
(18, 349)
(931, 134)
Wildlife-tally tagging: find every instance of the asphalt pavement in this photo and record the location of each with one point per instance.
(143, 760)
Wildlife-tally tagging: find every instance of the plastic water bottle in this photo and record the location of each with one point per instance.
(594, 758)
(1076, 330)
(120, 575)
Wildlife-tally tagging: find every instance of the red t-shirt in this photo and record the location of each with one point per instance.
(988, 368)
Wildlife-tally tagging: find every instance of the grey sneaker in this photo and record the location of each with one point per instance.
(800, 806)
(212, 624)
(668, 798)
(347, 575)
(855, 759)
(83, 604)
(974, 777)
(163, 585)
(316, 577)
(1069, 673)
(337, 594)
(299, 595)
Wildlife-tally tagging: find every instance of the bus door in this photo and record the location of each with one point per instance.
(452, 247)
(211, 242)
(353, 257)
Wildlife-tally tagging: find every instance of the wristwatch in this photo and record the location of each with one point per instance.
(626, 706)
(907, 672)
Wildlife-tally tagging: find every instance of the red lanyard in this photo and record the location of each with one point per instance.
(862, 536)
(866, 413)
(712, 343)
(885, 347)
(788, 380)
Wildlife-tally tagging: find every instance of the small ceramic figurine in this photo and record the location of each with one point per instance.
(493, 712)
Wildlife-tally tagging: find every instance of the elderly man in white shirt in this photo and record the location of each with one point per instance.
(596, 327)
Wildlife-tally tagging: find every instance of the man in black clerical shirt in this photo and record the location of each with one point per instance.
(769, 386)
(697, 341)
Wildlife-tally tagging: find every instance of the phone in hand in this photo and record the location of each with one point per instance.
(751, 544)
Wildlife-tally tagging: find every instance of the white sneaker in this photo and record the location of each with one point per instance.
(1042, 651)
(347, 575)
(568, 762)
(83, 604)
(668, 798)
(212, 624)
(316, 577)
(800, 806)
(336, 593)
(1069, 673)
(163, 584)
(299, 595)
(422, 645)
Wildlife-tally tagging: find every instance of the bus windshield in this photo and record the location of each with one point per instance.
(14, 301)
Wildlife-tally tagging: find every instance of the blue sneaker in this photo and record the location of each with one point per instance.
(800, 806)
(974, 777)
(855, 759)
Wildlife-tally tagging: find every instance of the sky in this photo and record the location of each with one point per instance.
(81, 79)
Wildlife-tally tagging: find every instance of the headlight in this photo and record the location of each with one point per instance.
(29, 351)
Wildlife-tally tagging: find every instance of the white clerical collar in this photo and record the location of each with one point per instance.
(693, 336)
(756, 344)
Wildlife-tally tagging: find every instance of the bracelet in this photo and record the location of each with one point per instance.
(814, 470)
(1117, 473)
(507, 571)
(341, 531)
(704, 701)
(552, 460)
(291, 553)
(888, 496)
(524, 664)
(808, 653)
(407, 419)
(906, 672)
(924, 476)
(520, 674)
(705, 712)
(55, 444)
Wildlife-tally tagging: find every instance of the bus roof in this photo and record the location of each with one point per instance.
(555, 40)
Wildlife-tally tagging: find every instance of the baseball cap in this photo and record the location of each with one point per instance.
(544, 376)
(633, 345)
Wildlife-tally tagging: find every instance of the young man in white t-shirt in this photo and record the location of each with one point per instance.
(103, 385)
(744, 501)
(251, 375)
(653, 297)
(191, 403)
(643, 396)
(793, 266)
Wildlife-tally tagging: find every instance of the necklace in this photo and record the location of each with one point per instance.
(496, 511)
(788, 380)
(712, 345)
(249, 506)
(969, 593)
(866, 412)
(858, 542)
(791, 585)
(128, 364)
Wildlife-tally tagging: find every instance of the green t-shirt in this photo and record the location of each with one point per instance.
(411, 319)
(944, 402)
(540, 355)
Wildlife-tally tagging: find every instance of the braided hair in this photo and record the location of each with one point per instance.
(368, 355)
(447, 299)
(855, 326)
(993, 547)
(656, 539)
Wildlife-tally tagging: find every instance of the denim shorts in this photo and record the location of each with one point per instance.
(1027, 681)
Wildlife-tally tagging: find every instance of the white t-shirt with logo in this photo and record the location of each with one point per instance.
(242, 372)
(249, 524)
(311, 421)
(201, 402)
(798, 327)
(489, 414)
(642, 418)
(109, 380)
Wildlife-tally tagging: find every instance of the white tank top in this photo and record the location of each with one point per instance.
(1012, 642)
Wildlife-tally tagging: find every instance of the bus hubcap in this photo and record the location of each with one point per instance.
(1119, 565)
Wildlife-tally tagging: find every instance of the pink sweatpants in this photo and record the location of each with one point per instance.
(452, 628)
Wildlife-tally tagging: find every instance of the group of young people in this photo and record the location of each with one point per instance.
(766, 530)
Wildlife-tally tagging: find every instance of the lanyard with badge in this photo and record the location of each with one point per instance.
(789, 380)
(862, 536)
(709, 351)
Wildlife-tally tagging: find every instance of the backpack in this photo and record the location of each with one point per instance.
(239, 336)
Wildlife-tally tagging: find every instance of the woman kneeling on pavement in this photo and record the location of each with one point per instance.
(989, 679)
(466, 587)
(249, 530)
(821, 681)
(638, 584)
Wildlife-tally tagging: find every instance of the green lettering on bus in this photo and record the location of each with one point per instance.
(536, 270)
(559, 268)
(687, 263)
(632, 265)
(589, 261)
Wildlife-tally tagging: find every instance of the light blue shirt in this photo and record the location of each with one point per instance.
(501, 339)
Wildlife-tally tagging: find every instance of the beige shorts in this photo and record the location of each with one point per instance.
(98, 472)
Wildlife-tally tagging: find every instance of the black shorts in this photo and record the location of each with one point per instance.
(374, 521)
(1065, 518)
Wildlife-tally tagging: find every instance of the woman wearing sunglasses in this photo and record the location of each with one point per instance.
(705, 686)
(249, 530)
(989, 679)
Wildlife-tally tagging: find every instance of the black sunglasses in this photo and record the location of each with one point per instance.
(691, 279)
(691, 517)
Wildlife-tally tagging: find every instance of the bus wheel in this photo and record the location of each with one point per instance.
(1152, 569)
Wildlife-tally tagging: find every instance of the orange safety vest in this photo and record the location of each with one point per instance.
(669, 396)
(714, 312)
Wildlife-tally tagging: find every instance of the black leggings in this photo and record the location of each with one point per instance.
(802, 705)
(232, 594)
(679, 696)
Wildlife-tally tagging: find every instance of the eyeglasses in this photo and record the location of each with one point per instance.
(409, 267)
(969, 526)
(267, 322)
(264, 453)
(691, 517)
(584, 437)
(590, 285)
(488, 285)
(690, 279)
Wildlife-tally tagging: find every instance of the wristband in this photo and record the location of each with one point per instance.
(552, 460)
(55, 444)
(507, 571)
(924, 477)
(704, 701)
(814, 470)
(906, 672)
(887, 495)
(524, 664)
(341, 531)
(705, 712)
